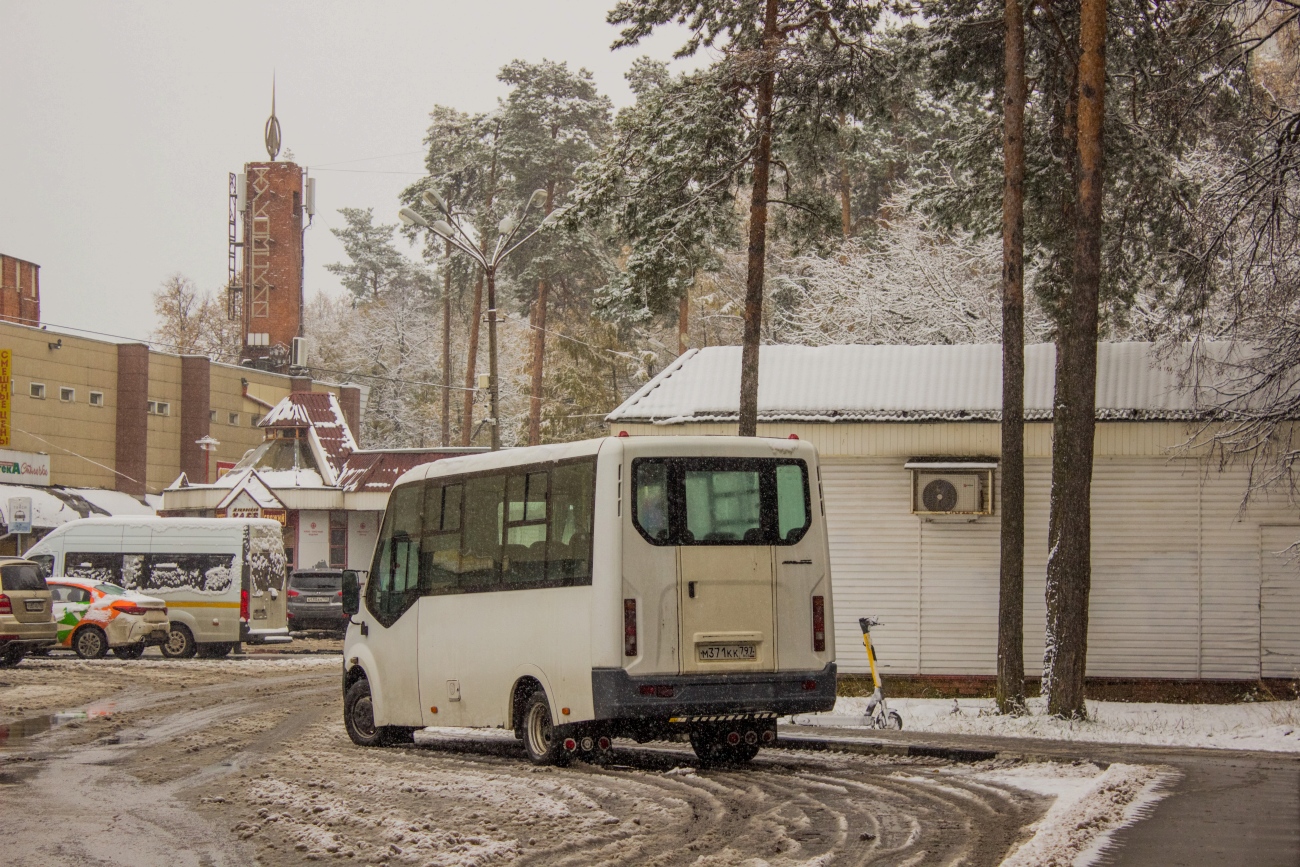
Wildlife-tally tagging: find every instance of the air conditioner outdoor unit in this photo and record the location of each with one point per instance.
(298, 352)
(952, 488)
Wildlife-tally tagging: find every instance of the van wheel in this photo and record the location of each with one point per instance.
(215, 650)
(542, 743)
(359, 720)
(130, 651)
(180, 642)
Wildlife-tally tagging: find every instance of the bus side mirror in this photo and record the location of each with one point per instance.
(351, 592)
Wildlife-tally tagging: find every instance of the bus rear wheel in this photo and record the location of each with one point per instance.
(359, 720)
(542, 743)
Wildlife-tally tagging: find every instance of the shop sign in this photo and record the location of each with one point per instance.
(24, 468)
(6, 371)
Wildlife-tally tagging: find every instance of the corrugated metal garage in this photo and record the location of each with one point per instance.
(1185, 584)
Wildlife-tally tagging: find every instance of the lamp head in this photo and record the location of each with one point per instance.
(433, 200)
(442, 229)
(411, 217)
(537, 198)
(507, 224)
(555, 216)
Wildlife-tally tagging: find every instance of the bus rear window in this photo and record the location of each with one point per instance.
(720, 501)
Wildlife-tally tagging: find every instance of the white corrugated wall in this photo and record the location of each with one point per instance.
(1176, 571)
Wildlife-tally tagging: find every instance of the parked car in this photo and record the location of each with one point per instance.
(94, 617)
(316, 600)
(26, 621)
(223, 578)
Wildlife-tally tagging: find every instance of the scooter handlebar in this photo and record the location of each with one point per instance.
(865, 623)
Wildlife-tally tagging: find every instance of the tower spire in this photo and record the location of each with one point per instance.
(272, 132)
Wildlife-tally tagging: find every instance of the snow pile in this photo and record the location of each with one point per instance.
(1273, 725)
(1091, 804)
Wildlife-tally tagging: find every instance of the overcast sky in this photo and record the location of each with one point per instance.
(120, 121)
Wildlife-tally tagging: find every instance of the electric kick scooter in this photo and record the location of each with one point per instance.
(878, 715)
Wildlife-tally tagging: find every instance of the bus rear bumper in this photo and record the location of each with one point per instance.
(618, 696)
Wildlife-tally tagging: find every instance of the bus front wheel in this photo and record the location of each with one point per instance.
(359, 720)
(542, 743)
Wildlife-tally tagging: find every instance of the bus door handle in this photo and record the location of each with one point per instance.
(690, 589)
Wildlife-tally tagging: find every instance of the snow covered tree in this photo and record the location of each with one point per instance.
(552, 121)
(778, 60)
(375, 264)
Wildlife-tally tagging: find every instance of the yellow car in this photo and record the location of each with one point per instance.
(26, 619)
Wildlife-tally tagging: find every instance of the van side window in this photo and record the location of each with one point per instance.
(204, 573)
(573, 500)
(524, 558)
(394, 580)
(440, 542)
(94, 566)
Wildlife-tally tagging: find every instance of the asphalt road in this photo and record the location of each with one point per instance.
(1227, 807)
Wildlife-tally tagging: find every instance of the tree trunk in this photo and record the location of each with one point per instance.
(683, 321)
(467, 433)
(1011, 596)
(1069, 566)
(758, 229)
(494, 393)
(446, 352)
(539, 343)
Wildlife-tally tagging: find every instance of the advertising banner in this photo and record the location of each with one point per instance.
(24, 468)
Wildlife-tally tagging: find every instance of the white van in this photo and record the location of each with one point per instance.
(223, 578)
(623, 587)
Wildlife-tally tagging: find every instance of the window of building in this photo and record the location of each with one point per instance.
(233, 418)
(67, 395)
(338, 539)
(97, 398)
(254, 419)
(212, 415)
(37, 390)
(164, 408)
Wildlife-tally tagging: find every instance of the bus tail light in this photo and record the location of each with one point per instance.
(819, 623)
(243, 605)
(6, 607)
(629, 627)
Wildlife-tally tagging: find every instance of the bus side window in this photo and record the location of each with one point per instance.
(480, 545)
(791, 502)
(95, 566)
(573, 493)
(524, 558)
(394, 583)
(440, 564)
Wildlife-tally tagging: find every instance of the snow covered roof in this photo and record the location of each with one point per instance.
(251, 483)
(899, 383)
(54, 505)
(321, 413)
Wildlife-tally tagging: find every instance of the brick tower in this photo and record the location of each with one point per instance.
(20, 291)
(266, 295)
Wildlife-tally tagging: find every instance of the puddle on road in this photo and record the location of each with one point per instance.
(14, 733)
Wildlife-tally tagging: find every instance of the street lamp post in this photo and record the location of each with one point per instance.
(451, 231)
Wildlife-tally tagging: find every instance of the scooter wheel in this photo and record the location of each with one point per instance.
(894, 721)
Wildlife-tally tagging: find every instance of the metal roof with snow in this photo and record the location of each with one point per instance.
(899, 383)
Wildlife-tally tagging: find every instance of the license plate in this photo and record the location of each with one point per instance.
(316, 599)
(35, 604)
(259, 613)
(719, 652)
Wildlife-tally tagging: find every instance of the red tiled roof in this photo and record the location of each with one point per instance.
(356, 469)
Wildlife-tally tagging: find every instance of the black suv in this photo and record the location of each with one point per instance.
(316, 600)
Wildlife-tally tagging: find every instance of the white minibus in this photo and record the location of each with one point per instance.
(639, 587)
(222, 578)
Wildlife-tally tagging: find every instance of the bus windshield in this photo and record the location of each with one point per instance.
(720, 501)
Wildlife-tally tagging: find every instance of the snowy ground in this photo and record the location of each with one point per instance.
(1273, 725)
(231, 762)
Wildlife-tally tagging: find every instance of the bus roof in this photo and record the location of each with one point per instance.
(705, 446)
(156, 521)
